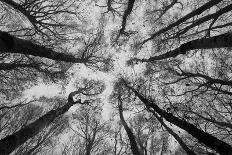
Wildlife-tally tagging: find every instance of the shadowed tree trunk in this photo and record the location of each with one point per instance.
(11, 44)
(11, 142)
(220, 41)
(133, 143)
(203, 137)
(186, 17)
(182, 144)
(126, 14)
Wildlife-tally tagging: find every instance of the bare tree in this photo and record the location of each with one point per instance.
(205, 138)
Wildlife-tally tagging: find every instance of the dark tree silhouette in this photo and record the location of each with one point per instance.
(130, 134)
(11, 142)
(203, 137)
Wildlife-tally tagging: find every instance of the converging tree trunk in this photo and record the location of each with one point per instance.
(220, 41)
(127, 12)
(133, 143)
(198, 11)
(12, 44)
(203, 137)
(11, 142)
(179, 140)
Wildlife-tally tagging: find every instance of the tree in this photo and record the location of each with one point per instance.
(171, 66)
(130, 134)
(91, 131)
(11, 142)
(205, 138)
(21, 136)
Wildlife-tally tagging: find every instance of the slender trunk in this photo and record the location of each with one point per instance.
(11, 142)
(91, 143)
(126, 14)
(207, 78)
(11, 44)
(11, 66)
(220, 41)
(133, 143)
(203, 137)
(88, 149)
(182, 144)
(186, 17)
(213, 16)
(222, 124)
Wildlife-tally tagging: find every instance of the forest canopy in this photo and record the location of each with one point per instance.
(115, 77)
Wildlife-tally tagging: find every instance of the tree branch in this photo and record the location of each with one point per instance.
(186, 17)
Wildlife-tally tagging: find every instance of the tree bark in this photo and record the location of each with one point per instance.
(220, 41)
(126, 14)
(133, 143)
(186, 17)
(11, 142)
(11, 44)
(182, 144)
(11, 66)
(203, 137)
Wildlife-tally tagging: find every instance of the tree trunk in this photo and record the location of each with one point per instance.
(186, 17)
(88, 149)
(203, 137)
(220, 41)
(11, 44)
(182, 144)
(127, 12)
(133, 143)
(11, 142)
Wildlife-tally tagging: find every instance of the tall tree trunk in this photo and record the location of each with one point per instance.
(182, 144)
(133, 143)
(203, 137)
(220, 41)
(186, 17)
(88, 149)
(11, 142)
(12, 44)
(127, 12)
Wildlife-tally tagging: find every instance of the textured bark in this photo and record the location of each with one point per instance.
(11, 44)
(220, 41)
(88, 149)
(186, 17)
(182, 144)
(126, 14)
(133, 143)
(11, 142)
(203, 137)
(11, 66)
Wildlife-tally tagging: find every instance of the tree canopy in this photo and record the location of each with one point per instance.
(115, 77)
